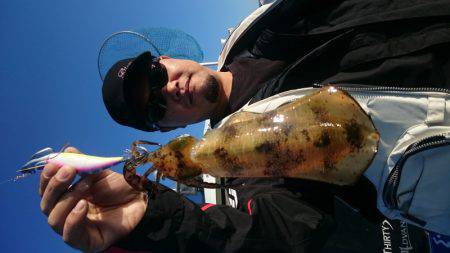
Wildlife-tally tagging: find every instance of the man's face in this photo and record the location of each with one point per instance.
(191, 94)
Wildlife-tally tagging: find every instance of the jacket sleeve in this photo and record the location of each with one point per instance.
(270, 222)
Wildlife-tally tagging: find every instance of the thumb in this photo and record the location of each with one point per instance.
(72, 150)
(75, 229)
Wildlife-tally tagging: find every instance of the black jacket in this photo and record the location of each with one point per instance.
(376, 42)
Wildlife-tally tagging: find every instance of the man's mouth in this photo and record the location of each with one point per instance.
(190, 96)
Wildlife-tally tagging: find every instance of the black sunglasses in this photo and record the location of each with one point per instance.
(156, 106)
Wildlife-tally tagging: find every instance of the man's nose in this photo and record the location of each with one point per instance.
(173, 90)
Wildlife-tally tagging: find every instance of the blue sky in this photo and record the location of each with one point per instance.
(50, 91)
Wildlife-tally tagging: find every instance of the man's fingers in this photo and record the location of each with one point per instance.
(75, 230)
(66, 203)
(47, 173)
(50, 170)
(56, 187)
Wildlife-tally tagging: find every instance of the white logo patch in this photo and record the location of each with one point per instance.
(232, 198)
(123, 70)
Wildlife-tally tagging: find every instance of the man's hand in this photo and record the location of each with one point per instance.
(95, 212)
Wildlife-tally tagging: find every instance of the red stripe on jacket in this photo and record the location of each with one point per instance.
(206, 206)
(249, 206)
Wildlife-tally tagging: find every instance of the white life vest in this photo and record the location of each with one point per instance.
(411, 170)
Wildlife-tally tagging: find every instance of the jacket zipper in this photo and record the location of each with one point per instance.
(393, 180)
(391, 89)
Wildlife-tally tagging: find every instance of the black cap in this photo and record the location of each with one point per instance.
(120, 83)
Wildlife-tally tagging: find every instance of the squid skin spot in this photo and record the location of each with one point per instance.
(300, 157)
(317, 110)
(306, 134)
(353, 134)
(279, 165)
(220, 153)
(228, 161)
(286, 129)
(320, 114)
(323, 141)
(266, 147)
(180, 163)
(229, 132)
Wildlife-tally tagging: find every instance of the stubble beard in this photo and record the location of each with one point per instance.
(212, 89)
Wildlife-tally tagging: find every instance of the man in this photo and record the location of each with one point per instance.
(286, 45)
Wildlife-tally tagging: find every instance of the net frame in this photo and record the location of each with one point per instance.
(159, 41)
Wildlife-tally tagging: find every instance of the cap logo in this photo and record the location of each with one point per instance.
(123, 70)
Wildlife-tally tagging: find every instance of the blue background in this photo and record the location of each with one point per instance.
(50, 91)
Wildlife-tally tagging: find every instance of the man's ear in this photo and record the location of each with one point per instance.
(164, 57)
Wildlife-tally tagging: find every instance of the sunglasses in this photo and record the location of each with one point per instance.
(156, 106)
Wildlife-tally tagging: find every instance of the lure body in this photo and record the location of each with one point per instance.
(81, 162)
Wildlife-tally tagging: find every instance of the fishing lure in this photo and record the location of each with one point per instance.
(81, 162)
(324, 136)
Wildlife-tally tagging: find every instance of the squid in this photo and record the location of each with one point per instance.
(324, 136)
